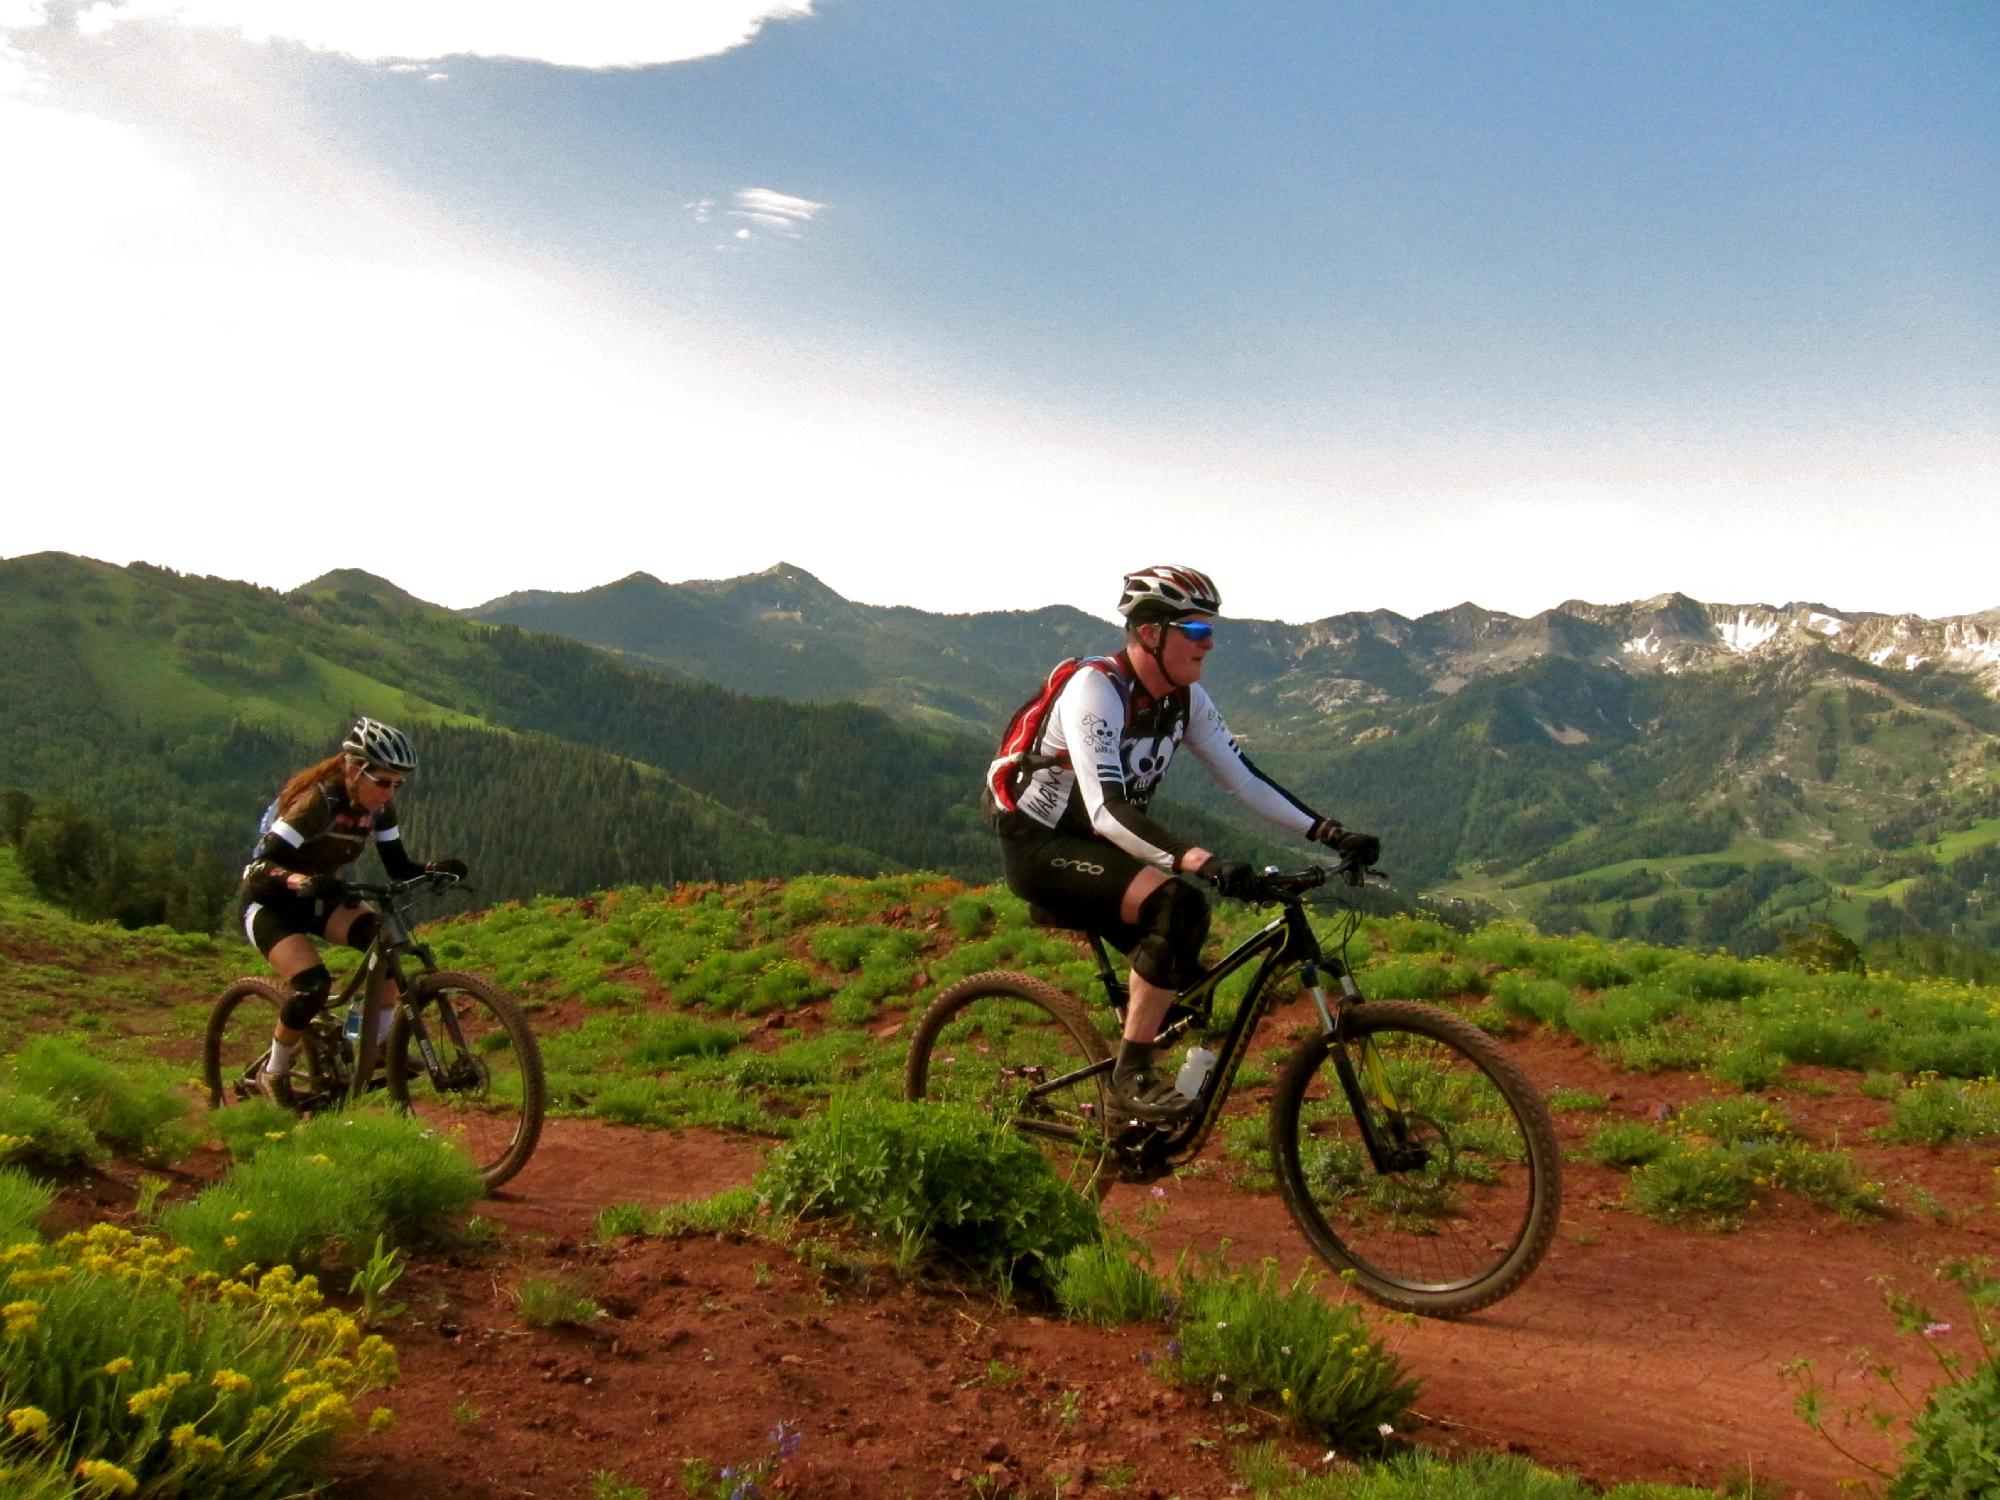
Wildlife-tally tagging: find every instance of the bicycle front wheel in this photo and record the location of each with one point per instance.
(1449, 1200)
(1015, 1048)
(481, 1082)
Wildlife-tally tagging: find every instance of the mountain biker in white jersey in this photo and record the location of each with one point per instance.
(1081, 844)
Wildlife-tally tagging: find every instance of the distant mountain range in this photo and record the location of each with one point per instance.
(782, 631)
(1593, 763)
(1505, 758)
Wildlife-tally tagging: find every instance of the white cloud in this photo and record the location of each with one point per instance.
(781, 213)
(575, 34)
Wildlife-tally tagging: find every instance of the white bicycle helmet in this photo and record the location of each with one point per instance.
(1165, 593)
(380, 745)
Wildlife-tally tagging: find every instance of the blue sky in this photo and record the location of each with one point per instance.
(974, 306)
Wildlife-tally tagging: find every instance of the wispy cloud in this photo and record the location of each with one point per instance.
(779, 213)
(578, 34)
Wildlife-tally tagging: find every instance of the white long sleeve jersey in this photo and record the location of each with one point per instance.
(1102, 759)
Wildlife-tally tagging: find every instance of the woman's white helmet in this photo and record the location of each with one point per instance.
(1165, 593)
(380, 745)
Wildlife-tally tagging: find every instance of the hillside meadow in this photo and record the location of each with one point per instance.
(1769, 1169)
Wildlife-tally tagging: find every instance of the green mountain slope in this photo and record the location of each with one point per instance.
(167, 702)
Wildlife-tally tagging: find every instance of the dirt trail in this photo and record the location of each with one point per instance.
(1637, 1351)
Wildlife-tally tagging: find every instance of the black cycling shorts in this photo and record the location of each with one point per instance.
(270, 921)
(1080, 881)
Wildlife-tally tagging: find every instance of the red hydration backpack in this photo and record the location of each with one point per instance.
(1020, 754)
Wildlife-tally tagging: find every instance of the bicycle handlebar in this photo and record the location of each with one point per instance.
(1288, 885)
(395, 890)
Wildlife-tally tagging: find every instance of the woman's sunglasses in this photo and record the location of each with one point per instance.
(387, 783)
(1194, 630)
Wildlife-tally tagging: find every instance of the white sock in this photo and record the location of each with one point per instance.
(280, 1059)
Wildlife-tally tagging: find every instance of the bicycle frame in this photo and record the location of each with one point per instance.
(1285, 943)
(384, 960)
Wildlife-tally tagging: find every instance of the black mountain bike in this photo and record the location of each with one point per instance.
(1410, 1150)
(458, 1054)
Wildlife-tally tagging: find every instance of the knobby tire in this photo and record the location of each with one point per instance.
(495, 1096)
(1002, 1044)
(1456, 1234)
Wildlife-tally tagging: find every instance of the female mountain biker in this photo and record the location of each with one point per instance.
(292, 892)
(1079, 842)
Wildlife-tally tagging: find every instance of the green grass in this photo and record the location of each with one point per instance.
(324, 1192)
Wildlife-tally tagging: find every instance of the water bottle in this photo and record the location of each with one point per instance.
(1194, 1072)
(351, 1026)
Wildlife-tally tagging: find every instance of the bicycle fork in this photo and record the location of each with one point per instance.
(1378, 1111)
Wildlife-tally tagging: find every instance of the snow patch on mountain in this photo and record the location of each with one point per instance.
(1746, 631)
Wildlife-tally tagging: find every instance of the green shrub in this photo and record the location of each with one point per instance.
(1102, 1283)
(934, 1181)
(721, 1213)
(1627, 1143)
(247, 1128)
(22, 1201)
(1523, 995)
(1585, 963)
(1419, 1475)
(1934, 1111)
(1416, 935)
(1420, 979)
(1563, 1100)
(664, 1039)
(543, 1303)
(1622, 1011)
(1245, 1338)
(325, 1191)
(129, 1109)
(841, 947)
(1953, 1452)
(1735, 1121)
(971, 916)
(1712, 1186)
(1748, 1066)
(39, 1135)
(208, 1386)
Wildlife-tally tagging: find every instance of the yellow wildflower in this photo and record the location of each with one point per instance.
(101, 1478)
(229, 1242)
(276, 1135)
(205, 1450)
(141, 1402)
(381, 1419)
(241, 1216)
(322, 1158)
(231, 1382)
(182, 1435)
(119, 1366)
(14, 1255)
(29, 1422)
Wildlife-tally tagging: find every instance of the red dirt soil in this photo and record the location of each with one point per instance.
(1637, 1351)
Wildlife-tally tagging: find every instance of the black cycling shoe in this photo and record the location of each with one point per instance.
(1144, 1097)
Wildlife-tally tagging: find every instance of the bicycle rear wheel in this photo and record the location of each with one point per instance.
(1014, 1047)
(486, 1090)
(1465, 1208)
(237, 1039)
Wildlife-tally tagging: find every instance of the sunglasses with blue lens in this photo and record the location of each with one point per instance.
(1194, 630)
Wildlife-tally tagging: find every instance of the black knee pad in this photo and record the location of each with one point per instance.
(361, 931)
(310, 988)
(1174, 921)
